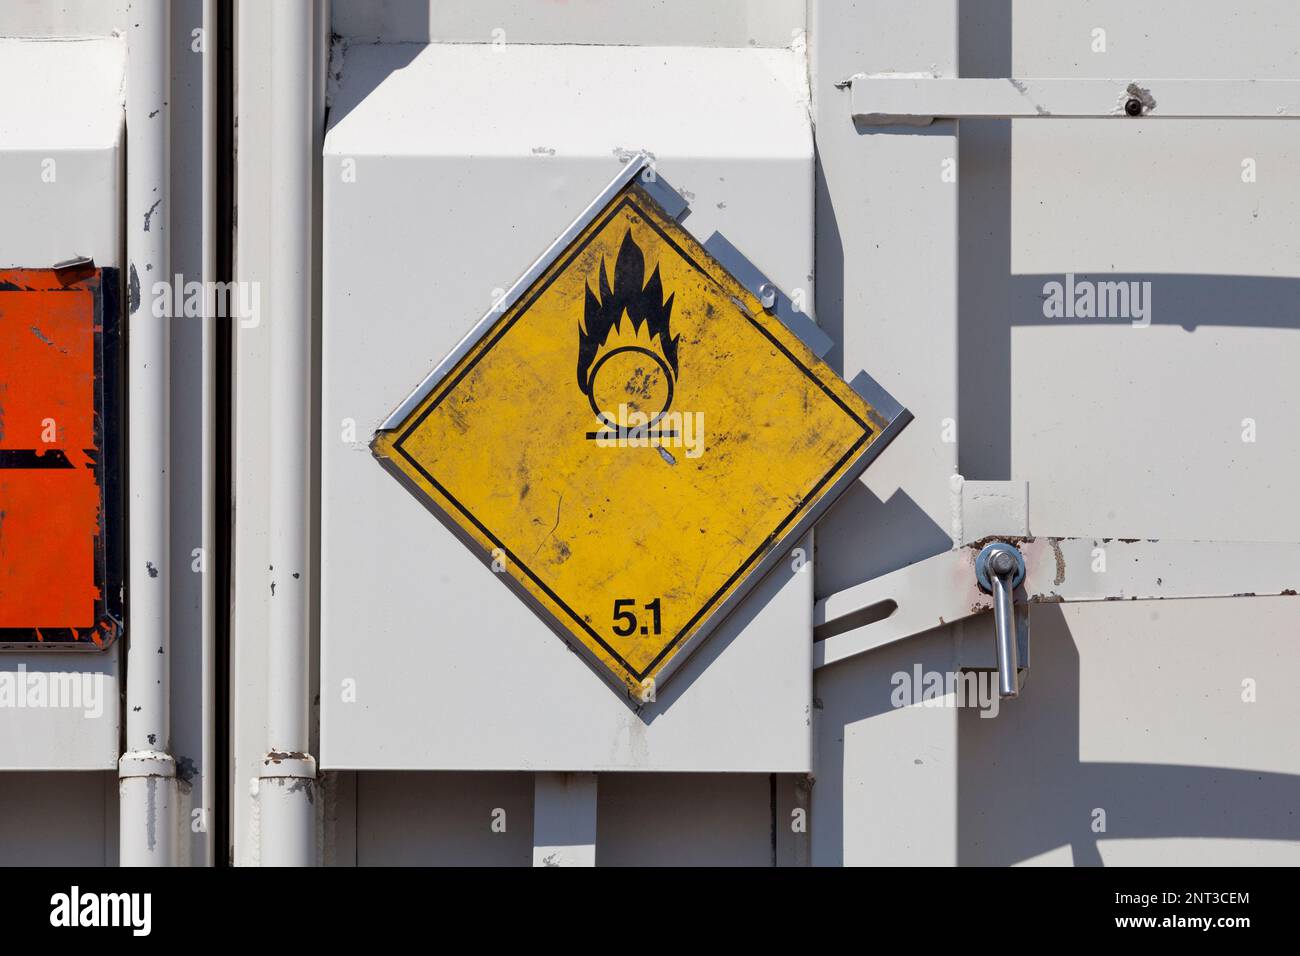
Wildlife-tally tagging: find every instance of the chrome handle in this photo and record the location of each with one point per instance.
(1000, 569)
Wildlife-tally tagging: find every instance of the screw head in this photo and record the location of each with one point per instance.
(1133, 107)
(767, 295)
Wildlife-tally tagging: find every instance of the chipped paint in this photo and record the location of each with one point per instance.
(1023, 90)
(133, 291)
(148, 214)
(1011, 539)
(279, 756)
(1139, 93)
(186, 769)
(1060, 561)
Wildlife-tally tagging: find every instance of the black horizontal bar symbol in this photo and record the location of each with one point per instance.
(633, 432)
(28, 458)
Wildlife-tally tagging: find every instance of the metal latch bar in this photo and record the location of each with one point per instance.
(943, 589)
(888, 99)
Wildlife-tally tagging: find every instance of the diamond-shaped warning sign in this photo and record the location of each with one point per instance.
(631, 440)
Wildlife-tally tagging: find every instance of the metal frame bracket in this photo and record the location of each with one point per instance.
(943, 589)
(913, 99)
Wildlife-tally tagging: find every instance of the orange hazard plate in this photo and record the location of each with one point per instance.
(60, 505)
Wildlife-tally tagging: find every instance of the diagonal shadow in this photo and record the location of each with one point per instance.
(1022, 789)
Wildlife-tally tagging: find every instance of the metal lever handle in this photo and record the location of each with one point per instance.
(1000, 569)
(1004, 621)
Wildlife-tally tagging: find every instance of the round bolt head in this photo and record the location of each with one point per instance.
(1002, 562)
(999, 559)
(1133, 107)
(767, 295)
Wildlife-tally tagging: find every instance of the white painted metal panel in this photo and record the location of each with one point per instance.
(887, 271)
(1157, 416)
(76, 121)
(62, 18)
(468, 162)
(886, 267)
(886, 786)
(1136, 720)
(1135, 708)
(685, 23)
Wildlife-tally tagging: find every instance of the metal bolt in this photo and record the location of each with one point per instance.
(767, 295)
(1001, 562)
(1133, 107)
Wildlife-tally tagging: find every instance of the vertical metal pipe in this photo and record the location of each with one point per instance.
(288, 774)
(147, 771)
(208, 407)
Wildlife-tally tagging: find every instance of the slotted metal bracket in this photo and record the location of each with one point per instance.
(912, 99)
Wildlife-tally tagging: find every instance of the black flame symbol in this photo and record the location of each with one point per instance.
(643, 304)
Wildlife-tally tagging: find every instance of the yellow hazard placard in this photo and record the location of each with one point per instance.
(632, 440)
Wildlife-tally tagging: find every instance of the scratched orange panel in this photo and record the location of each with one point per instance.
(49, 499)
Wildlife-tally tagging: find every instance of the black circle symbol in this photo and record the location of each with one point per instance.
(1133, 107)
(595, 370)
